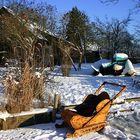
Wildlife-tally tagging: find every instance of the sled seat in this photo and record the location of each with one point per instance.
(95, 122)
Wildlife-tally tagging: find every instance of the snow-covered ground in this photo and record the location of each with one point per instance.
(122, 126)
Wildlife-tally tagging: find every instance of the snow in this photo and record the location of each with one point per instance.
(99, 63)
(8, 10)
(121, 56)
(121, 126)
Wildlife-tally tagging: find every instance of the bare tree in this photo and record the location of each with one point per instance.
(110, 34)
(109, 1)
(135, 8)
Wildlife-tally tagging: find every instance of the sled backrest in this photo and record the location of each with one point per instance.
(103, 98)
(102, 110)
(103, 95)
(102, 105)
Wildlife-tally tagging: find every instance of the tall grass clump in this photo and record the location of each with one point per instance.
(25, 82)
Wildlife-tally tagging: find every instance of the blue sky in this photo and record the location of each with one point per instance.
(94, 8)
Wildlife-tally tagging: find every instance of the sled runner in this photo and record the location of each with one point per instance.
(95, 122)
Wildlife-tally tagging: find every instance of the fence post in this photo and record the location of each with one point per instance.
(55, 107)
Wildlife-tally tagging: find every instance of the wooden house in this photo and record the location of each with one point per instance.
(18, 36)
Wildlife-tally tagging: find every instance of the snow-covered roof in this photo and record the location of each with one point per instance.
(33, 27)
(96, 47)
(8, 10)
(92, 47)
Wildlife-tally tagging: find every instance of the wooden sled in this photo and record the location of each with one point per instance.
(83, 125)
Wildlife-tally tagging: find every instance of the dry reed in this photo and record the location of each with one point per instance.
(20, 94)
(25, 85)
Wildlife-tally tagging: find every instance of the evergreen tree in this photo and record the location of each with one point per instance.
(76, 27)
